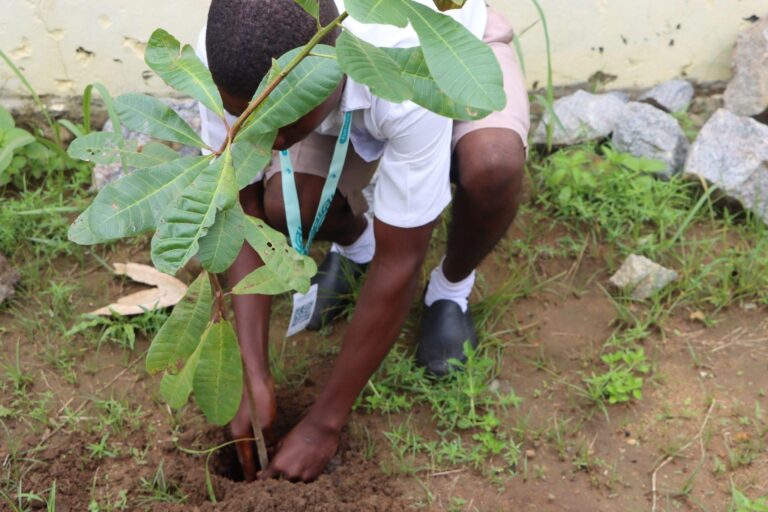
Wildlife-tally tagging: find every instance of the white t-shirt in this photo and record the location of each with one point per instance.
(412, 143)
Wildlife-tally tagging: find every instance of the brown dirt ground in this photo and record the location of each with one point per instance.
(563, 324)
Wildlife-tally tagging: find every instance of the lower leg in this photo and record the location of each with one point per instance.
(490, 170)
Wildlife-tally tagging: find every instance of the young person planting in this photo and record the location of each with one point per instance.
(417, 153)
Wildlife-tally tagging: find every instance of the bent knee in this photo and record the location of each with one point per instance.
(491, 165)
(496, 178)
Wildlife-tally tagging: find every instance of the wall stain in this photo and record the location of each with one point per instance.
(136, 46)
(22, 51)
(65, 86)
(57, 34)
(104, 21)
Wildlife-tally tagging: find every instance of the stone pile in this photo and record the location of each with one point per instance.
(730, 152)
(643, 128)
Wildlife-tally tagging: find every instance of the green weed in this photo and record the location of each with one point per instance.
(160, 490)
(622, 381)
(613, 193)
(741, 503)
(463, 402)
(121, 330)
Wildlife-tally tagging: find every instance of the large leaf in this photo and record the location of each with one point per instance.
(80, 231)
(263, 281)
(462, 65)
(180, 68)
(149, 115)
(218, 380)
(307, 86)
(284, 262)
(175, 388)
(184, 223)
(105, 148)
(426, 91)
(6, 120)
(133, 204)
(311, 6)
(13, 139)
(222, 244)
(179, 336)
(389, 12)
(371, 66)
(251, 156)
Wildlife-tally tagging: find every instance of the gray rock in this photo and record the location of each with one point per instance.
(647, 132)
(187, 109)
(583, 116)
(624, 96)
(747, 93)
(732, 153)
(642, 277)
(673, 96)
(9, 278)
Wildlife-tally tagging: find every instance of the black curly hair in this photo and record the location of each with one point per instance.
(243, 36)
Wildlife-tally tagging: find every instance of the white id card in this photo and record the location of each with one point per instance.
(303, 307)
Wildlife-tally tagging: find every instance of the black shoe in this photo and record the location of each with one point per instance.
(445, 328)
(335, 278)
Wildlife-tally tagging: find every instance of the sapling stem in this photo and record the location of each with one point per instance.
(219, 313)
(256, 103)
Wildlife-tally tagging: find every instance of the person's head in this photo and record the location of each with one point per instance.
(242, 38)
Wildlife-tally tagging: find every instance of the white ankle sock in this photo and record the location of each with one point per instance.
(440, 288)
(361, 250)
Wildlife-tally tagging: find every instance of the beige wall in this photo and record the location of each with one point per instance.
(63, 45)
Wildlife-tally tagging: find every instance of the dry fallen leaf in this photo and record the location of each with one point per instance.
(167, 291)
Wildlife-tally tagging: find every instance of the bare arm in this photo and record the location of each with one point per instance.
(382, 308)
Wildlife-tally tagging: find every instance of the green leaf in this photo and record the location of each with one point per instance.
(133, 204)
(263, 281)
(222, 244)
(96, 147)
(152, 154)
(311, 6)
(283, 261)
(14, 139)
(149, 115)
(180, 334)
(388, 12)
(180, 68)
(104, 148)
(6, 120)
(251, 156)
(175, 388)
(371, 66)
(218, 380)
(188, 219)
(462, 65)
(80, 231)
(425, 90)
(306, 87)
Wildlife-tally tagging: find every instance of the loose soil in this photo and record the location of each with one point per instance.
(707, 385)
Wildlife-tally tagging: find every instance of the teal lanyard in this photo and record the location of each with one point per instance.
(291, 197)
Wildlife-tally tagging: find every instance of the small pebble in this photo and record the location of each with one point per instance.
(530, 454)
